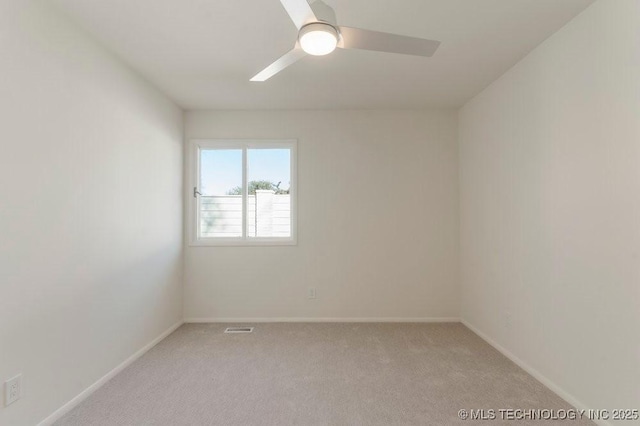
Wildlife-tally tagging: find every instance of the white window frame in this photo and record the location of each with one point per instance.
(193, 181)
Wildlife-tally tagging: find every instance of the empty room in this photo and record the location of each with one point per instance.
(319, 212)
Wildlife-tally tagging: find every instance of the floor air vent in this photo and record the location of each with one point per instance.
(239, 330)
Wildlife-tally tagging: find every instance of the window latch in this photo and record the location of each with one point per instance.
(196, 192)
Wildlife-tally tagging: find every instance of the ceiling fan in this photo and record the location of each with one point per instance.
(319, 34)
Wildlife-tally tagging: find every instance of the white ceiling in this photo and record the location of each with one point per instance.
(202, 53)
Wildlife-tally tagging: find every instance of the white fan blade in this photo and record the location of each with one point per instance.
(299, 11)
(283, 62)
(356, 38)
(323, 12)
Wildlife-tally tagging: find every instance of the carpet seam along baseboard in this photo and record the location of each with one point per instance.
(551, 385)
(322, 319)
(60, 412)
(315, 374)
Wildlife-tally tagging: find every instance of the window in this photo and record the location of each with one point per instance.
(242, 192)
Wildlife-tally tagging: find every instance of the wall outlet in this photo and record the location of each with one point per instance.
(311, 293)
(12, 390)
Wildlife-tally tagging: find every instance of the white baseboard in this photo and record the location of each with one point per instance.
(535, 373)
(315, 319)
(104, 379)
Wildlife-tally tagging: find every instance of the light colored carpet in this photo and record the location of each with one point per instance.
(316, 374)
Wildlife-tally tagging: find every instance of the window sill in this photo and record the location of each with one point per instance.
(238, 242)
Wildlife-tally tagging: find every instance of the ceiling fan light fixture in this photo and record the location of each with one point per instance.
(319, 34)
(318, 38)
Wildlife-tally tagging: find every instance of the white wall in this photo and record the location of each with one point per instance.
(90, 210)
(550, 208)
(377, 220)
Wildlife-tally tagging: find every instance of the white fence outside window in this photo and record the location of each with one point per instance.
(268, 215)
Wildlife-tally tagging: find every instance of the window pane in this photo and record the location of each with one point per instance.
(220, 205)
(269, 202)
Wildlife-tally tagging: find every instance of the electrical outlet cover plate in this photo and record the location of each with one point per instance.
(12, 390)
